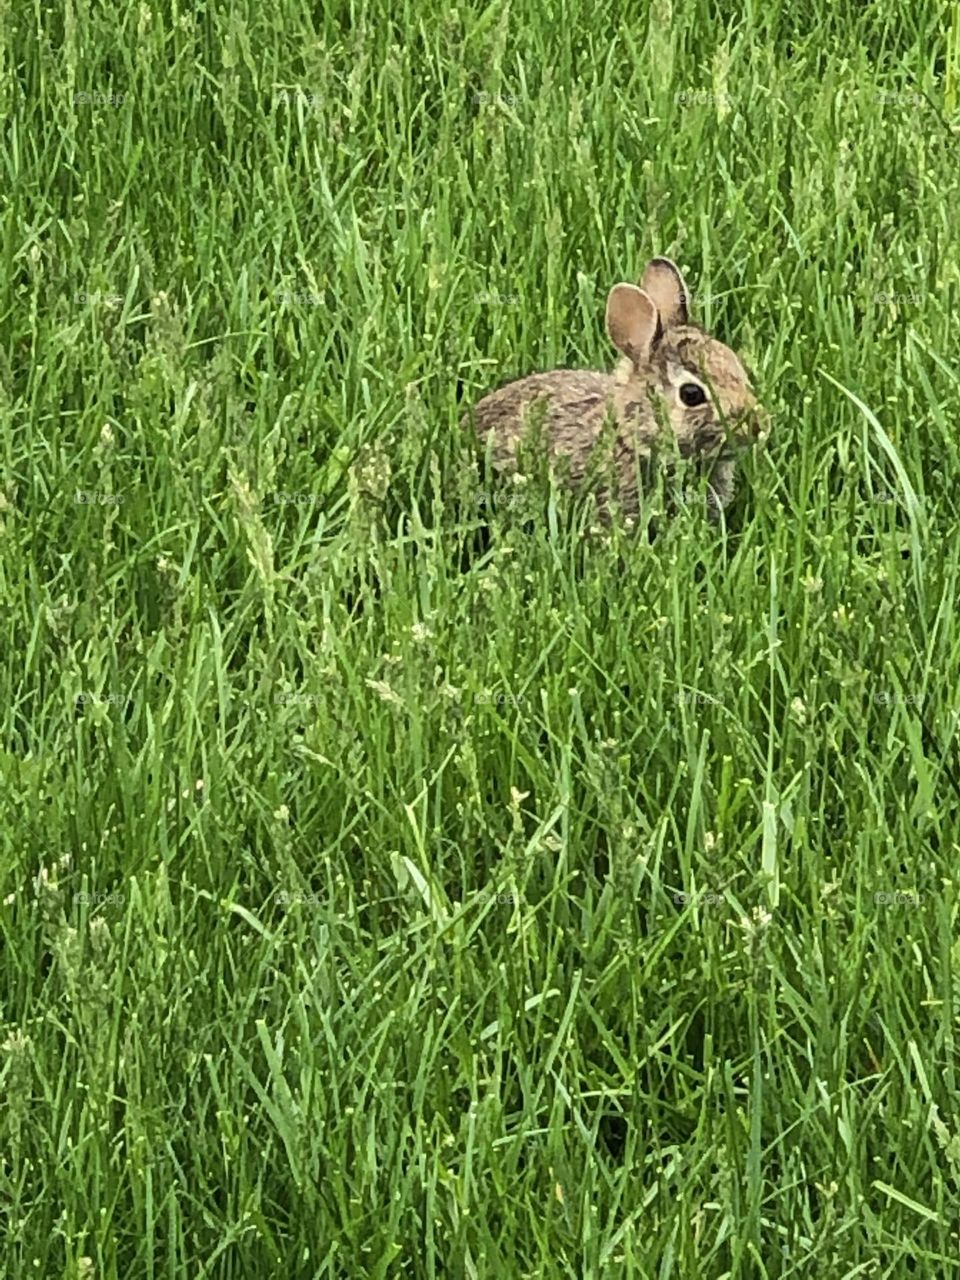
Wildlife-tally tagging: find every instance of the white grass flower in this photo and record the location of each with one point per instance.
(829, 888)
(385, 693)
(16, 1043)
(756, 924)
(516, 797)
(45, 885)
(99, 935)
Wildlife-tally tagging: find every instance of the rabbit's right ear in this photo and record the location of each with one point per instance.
(632, 321)
(666, 286)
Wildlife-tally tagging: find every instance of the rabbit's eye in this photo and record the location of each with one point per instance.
(691, 394)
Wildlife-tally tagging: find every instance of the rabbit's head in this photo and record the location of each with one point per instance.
(701, 386)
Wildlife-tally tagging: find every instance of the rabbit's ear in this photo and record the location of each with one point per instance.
(665, 285)
(632, 321)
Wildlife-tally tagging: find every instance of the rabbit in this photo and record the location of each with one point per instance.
(670, 371)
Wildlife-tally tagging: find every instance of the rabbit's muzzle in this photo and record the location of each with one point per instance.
(747, 428)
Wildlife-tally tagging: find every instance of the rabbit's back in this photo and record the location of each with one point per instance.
(570, 404)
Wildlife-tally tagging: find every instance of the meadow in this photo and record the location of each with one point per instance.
(401, 876)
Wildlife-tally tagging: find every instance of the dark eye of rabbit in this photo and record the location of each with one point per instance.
(692, 395)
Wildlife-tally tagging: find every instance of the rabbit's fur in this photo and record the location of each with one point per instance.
(661, 352)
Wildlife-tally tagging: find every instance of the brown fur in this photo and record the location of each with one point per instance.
(661, 350)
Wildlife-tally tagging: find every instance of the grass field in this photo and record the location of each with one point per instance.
(396, 885)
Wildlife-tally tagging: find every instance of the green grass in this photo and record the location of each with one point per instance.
(386, 897)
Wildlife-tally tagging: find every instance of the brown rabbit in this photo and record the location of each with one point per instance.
(672, 373)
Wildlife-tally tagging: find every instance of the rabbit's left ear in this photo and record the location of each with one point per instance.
(632, 322)
(665, 285)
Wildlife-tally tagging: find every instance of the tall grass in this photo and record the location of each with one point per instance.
(396, 884)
